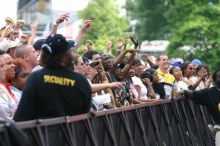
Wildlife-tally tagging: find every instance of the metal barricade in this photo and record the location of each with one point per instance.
(175, 122)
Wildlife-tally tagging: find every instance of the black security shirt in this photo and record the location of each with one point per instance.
(52, 93)
(209, 97)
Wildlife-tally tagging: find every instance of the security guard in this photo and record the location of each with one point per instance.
(54, 90)
(210, 97)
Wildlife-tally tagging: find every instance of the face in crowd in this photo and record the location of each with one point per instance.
(150, 74)
(118, 74)
(32, 56)
(21, 72)
(96, 58)
(79, 65)
(163, 62)
(87, 68)
(156, 78)
(188, 70)
(201, 70)
(177, 73)
(29, 54)
(9, 67)
(131, 72)
(138, 68)
(108, 64)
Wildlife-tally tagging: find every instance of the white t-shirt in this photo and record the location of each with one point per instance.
(137, 81)
(181, 85)
(7, 103)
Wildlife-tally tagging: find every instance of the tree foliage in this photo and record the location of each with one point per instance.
(193, 23)
(150, 18)
(107, 24)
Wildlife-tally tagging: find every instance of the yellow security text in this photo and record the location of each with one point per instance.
(58, 80)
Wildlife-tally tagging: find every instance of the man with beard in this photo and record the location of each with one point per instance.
(54, 90)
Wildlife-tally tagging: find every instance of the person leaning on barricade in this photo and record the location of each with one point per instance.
(54, 90)
(210, 97)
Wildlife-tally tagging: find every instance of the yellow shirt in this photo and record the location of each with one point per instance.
(167, 78)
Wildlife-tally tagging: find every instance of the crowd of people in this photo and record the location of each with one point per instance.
(47, 78)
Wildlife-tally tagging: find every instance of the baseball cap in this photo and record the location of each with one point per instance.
(72, 43)
(56, 44)
(196, 62)
(91, 63)
(176, 64)
(38, 44)
(6, 44)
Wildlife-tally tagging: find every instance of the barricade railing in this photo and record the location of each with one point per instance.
(175, 122)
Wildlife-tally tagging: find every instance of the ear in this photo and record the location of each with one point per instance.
(26, 57)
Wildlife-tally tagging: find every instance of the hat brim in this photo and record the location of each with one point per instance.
(72, 44)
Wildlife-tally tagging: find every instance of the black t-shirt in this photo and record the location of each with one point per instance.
(52, 93)
(209, 97)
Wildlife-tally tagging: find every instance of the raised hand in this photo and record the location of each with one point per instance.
(34, 25)
(62, 18)
(135, 41)
(120, 43)
(109, 45)
(145, 57)
(86, 25)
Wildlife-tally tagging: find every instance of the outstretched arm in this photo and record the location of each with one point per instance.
(118, 59)
(86, 25)
(102, 86)
(129, 63)
(59, 20)
(33, 32)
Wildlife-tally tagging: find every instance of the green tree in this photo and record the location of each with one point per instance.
(195, 23)
(107, 24)
(151, 21)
